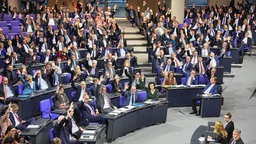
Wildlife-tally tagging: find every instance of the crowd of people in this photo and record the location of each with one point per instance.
(54, 36)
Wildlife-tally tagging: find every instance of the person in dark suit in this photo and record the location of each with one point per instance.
(236, 139)
(246, 43)
(117, 86)
(94, 52)
(17, 121)
(11, 75)
(80, 90)
(106, 51)
(192, 78)
(200, 65)
(61, 131)
(122, 40)
(187, 66)
(93, 71)
(60, 66)
(6, 91)
(211, 89)
(131, 96)
(89, 111)
(60, 98)
(41, 80)
(104, 104)
(45, 58)
(229, 125)
(131, 14)
(121, 51)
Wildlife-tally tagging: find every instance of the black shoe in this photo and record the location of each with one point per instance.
(198, 114)
(193, 112)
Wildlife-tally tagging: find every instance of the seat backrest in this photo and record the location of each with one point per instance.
(20, 89)
(51, 134)
(68, 77)
(73, 94)
(142, 96)
(183, 81)
(52, 101)
(121, 101)
(109, 88)
(201, 79)
(45, 105)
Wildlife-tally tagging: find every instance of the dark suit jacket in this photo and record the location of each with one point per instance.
(116, 87)
(51, 58)
(127, 96)
(197, 67)
(119, 52)
(12, 77)
(45, 78)
(101, 102)
(86, 112)
(240, 141)
(62, 131)
(230, 128)
(194, 81)
(96, 74)
(78, 91)
(214, 89)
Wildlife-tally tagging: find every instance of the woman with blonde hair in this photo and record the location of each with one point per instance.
(221, 134)
(169, 78)
(78, 75)
(29, 84)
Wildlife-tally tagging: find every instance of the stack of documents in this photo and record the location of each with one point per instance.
(89, 132)
(33, 126)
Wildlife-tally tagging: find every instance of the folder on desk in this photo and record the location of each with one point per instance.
(89, 132)
(33, 126)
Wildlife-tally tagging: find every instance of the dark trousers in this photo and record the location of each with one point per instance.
(194, 100)
(25, 124)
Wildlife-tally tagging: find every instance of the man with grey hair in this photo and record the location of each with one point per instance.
(236, 137)
(104, 104)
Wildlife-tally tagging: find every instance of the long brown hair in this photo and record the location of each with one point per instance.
(219, 129)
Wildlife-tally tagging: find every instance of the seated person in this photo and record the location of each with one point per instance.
(66, 129)
(192, 78)
(169, 78)
(221, 134)
(60, 98)
(16, 120)
(138, 80)
(12, 136)
(131, 96)
(152, 93)
(6, 91)
(117, 87)
(88, 110)
(236, 139)
(80, 90)
(210, 89)
(104, 104)
(29, 84)
(41, 81)
(78, 75)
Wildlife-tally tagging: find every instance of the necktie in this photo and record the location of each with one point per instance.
(201, 67)
(233, 142)
(92, 112)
